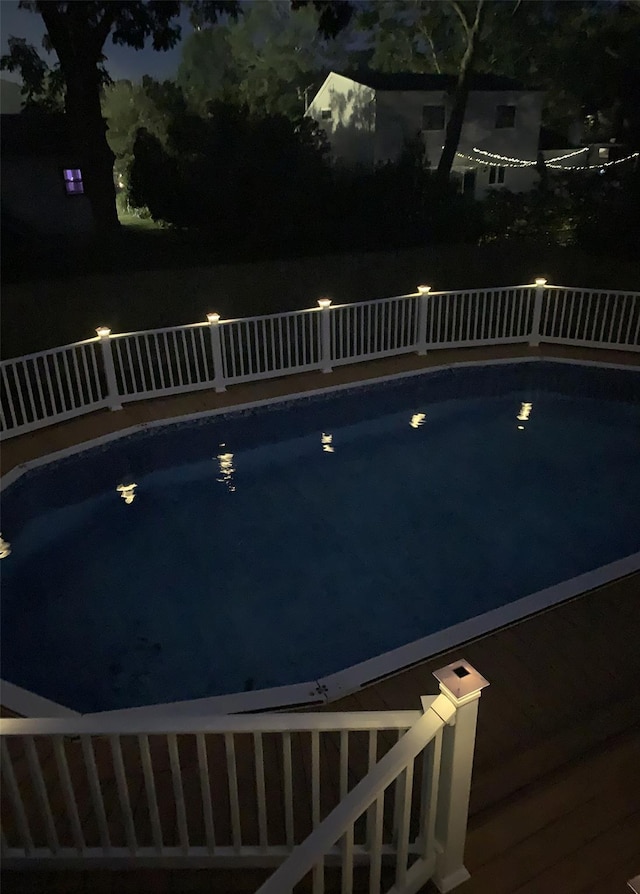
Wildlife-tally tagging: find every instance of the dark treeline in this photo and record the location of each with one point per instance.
(262, 186)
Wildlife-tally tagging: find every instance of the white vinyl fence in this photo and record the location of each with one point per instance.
(384, 791)
(106, 371)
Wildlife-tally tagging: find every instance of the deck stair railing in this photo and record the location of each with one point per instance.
(295, 791)
(112, 369)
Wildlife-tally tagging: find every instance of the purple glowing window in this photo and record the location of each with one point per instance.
(73, 181)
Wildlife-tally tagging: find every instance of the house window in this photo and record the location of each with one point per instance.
(325, 115)
(433, 117)
(73, 181)
(506, 116)
(496, 175)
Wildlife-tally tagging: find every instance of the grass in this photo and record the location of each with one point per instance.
(183, 282)
(138, 224)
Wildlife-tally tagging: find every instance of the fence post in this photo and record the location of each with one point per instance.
(462, 685)
(325, 335)
(423, 305)
(534, 335)
(216, 351)
(113, 395)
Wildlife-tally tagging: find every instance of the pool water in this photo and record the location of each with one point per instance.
(282, 544)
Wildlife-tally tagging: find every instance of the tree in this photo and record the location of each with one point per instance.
(582, 53)
(471, 20)
(77, 32)
(267, 59)
(129, 107)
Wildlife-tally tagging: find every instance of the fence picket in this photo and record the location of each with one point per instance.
(288, 789)
(69, 795)
(150, 789)
(232, 777)
(41, 791)
(178, 792)
(16, 800)
(123, 793)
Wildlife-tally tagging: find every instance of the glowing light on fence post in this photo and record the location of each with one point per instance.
(421, 342)
(213, 319)
(113, 394)
(325, 335)
(534, 335)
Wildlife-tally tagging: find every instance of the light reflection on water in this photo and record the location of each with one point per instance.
(327, 443)
(227, 470)
(525, 412)
(394, 514)
(127, 492)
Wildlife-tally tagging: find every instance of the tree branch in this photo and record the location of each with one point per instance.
(462, 16)
(427, 35)
(104, 26)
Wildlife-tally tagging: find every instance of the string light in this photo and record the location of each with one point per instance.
(507, 161)
(514, 162)
(526, 162)
(502, 164)
(606, 164)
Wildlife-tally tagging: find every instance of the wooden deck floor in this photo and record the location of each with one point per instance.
(555, 803)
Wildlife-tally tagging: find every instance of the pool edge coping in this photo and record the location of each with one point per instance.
(337, 685)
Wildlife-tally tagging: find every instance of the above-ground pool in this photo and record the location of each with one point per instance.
(282, 543)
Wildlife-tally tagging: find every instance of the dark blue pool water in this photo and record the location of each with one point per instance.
(295, 555)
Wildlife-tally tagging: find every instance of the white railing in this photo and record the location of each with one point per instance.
(51, 386)
(296, 791)
(55, 385)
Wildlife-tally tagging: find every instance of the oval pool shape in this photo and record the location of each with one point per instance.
(283, 543)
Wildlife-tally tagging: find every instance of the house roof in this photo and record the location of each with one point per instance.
(35, 133)
(404, 81)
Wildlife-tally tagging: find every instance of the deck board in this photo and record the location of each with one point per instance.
(555, 804)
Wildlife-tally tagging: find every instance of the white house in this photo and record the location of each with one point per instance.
(368, 116)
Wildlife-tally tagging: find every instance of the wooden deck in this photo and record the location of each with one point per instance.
(555, 802)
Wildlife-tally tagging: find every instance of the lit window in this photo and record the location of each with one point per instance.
(603, 152)
(73, 181)
(506, 116)
(325, 114)
(496, 175)
(433, 117)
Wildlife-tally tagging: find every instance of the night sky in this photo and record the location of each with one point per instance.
(122, 62)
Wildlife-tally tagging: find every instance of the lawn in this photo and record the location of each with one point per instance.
(181, 283)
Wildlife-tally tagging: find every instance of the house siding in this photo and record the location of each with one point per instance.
(372, 127)
(34, 194)
(352, 126)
